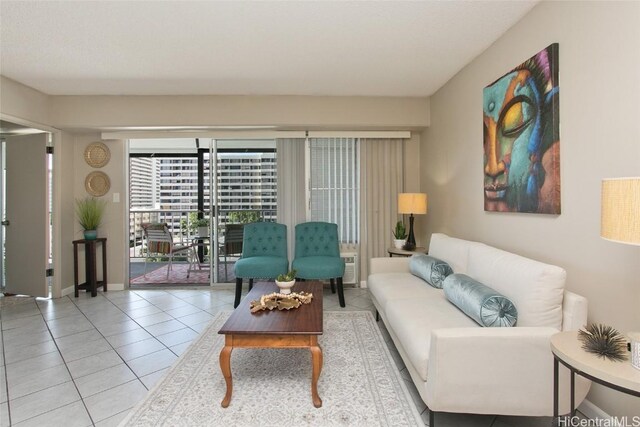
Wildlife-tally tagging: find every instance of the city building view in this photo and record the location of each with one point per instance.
(166, 187)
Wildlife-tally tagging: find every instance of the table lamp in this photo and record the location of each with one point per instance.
(412, 203)
(620, 222)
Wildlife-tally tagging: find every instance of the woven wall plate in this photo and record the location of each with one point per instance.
(97, 154)
(97, 183)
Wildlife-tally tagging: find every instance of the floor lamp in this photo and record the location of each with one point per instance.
(620, 222)
(412, 203)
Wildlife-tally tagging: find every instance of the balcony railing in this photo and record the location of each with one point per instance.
(179, 223)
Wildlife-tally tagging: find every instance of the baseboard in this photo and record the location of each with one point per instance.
(591, 411)
(67, 291)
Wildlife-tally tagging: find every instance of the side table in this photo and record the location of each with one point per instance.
(91, 280)
(198, 242)
(401, 252)
(567, 349)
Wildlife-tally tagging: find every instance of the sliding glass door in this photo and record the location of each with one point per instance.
(204, 203)
(240, 188)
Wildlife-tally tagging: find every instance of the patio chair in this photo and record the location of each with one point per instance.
(160, 242)
(264, 254)
(318, 254)
(232, 243)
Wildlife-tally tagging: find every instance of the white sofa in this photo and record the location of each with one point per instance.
(459, 366)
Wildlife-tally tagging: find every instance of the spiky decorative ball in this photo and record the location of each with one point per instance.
(604, 341)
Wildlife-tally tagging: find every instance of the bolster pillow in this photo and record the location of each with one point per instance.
(480, 302)
(430, 269)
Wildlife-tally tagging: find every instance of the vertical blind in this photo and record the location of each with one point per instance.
(334, 185)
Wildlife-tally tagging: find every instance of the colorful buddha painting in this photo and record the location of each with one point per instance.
(522, 138)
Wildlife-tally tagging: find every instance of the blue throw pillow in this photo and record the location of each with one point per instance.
(480, 302)
(430, 269)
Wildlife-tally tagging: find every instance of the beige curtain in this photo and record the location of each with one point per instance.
(291, 182)
(381, 179)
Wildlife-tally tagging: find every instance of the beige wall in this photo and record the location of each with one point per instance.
(600, 137)
(295, 112)
(64, 163)
(82, 116)
(22, 102)
(114, 219)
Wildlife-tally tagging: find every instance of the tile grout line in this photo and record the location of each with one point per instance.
(143, 328)
(113, 348)
(67, 368)
(80, 309)
(116, 351)
(4, 364)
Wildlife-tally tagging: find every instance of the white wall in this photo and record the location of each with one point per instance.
(600, 137)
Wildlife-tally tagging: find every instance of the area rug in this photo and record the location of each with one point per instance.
(359, 384)
(178, 274)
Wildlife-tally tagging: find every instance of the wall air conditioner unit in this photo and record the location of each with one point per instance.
(351, 268)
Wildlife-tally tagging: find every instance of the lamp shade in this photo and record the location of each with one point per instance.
(412, 203)
(620, 220)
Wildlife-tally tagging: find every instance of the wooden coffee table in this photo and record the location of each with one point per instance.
(296, 328)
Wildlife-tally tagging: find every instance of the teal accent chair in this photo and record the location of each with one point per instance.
(317, 254)
(264, 254)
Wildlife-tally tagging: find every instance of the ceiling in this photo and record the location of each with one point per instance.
(340, 48)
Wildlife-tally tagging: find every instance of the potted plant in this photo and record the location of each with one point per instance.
(202, 224)
(286, 281)
(399, 234)
(90, 212)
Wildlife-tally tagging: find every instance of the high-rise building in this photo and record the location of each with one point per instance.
(169, 185)
(247, 182)
(143, 185)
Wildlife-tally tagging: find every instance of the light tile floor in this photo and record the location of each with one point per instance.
(87, 361)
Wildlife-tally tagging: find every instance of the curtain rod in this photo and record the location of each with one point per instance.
(255, 134)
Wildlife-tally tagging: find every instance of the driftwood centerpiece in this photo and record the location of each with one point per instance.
(281, 301)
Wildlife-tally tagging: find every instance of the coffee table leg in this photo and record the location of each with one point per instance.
(316, 363)
(225, 366)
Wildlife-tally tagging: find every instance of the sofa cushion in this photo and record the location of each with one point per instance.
(385, 287)
(454, 252)
(535, 288)
(413, 319)
(480, 302)
(430, 269)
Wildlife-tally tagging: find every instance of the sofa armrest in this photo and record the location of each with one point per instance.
(495, 370)
(574, 311)
(389, 265)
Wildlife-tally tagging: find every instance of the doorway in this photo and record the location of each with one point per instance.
(26, 205)
(176, 183)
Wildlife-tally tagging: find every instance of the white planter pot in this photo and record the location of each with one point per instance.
(399, 243)
(285, 287)
(635, 349)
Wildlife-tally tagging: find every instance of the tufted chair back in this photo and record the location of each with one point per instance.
(264, 239)
(317, 239)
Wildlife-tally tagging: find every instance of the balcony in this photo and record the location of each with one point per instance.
(185, 268)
